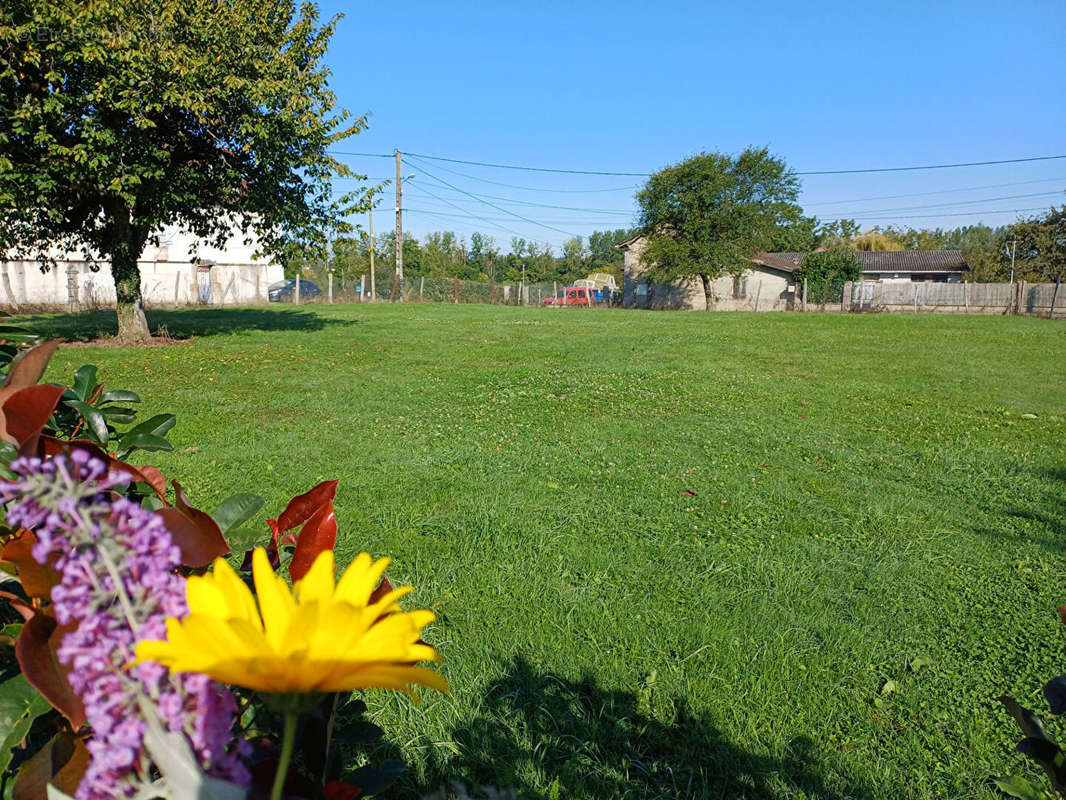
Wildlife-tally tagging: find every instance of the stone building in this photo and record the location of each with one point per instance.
(769, 284)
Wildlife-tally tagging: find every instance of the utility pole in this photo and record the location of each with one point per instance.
(373, 293)
(1013, 250)
(399, 226)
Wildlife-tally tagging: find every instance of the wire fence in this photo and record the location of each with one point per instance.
(1019, 297)
(430, 289)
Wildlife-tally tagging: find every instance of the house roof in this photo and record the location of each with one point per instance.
(896, 260)
(776, 261)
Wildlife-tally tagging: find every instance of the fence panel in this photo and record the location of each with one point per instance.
(959, 298)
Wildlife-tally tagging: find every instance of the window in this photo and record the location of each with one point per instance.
(740, 287)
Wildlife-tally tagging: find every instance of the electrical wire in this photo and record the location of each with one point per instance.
(960, 214)
(467, 213)
(493, 205)
(513, 202)
(589, 223)
(926, 194)
(960, 203)
(537, 188)
(807, 172)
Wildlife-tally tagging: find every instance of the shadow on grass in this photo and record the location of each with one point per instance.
(543, 736)
(1049, 515)
(181, 323)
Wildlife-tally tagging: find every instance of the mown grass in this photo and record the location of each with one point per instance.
(673, 555)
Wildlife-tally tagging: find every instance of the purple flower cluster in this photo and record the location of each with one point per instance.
(118, 585)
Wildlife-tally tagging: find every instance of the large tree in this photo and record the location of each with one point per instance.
(1041, 246)
(118, 118)
(712, 213)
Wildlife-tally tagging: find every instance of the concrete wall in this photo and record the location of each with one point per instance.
(170, 276)
(163, 283)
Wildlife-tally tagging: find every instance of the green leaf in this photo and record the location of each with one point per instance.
(921, 661)
(120, 396)
(144, 441)
(12, 629)
(374, 779)
(118, 414)
(159, 425)
(180, 769)
(94, 419)
(1021, 788)
(236, 510)
(20, 705)
(152, 503)
(84, 381)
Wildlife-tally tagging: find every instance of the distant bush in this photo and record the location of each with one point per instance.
(826, 272)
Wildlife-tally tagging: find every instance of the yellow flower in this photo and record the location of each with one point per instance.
(320, 637)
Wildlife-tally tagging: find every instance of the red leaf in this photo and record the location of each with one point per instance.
(24, 609)
(50, 446)
(318, 533)
(62, 762)
(383, 589)
(339, 790)
(26, 412)
(37, 579)
(35, 650)
(25, 371)
(195, 533)
(303, 507)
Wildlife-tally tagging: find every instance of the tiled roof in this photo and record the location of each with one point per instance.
(776, 261)
(896, 260)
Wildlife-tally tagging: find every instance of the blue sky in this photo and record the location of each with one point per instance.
(632, 87)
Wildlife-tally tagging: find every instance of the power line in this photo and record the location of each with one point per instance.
(926, 194)
(453, 205)
(537, 188)
(930, 166)
(493, 205)
(512, 201)
(960, 203)
(589, 223)
(808, 172)
(362, 155)
(960, 214)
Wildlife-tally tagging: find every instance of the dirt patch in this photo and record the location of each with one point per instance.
(115, 341)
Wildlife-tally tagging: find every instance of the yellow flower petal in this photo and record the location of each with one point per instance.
(276, 603)
(360, 580)
(320, 637)
(317, 584)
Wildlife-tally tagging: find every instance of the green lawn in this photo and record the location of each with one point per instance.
(673, 555)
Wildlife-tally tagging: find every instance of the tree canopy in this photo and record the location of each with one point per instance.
(826, 272)
(120, 118)
(712, 213)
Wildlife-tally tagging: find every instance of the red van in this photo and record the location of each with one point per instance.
(571, 296)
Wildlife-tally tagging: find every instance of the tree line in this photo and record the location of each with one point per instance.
(444, 254)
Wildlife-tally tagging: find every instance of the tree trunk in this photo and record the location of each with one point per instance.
(708, 291)
(128, 243)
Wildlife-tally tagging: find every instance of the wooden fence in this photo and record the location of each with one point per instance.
(1020, 297)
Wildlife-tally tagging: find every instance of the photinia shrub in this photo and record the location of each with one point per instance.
(65, 638)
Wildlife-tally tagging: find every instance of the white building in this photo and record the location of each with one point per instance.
(172, 274)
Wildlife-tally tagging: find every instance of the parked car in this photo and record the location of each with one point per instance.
(285, 291)
(571, 296)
